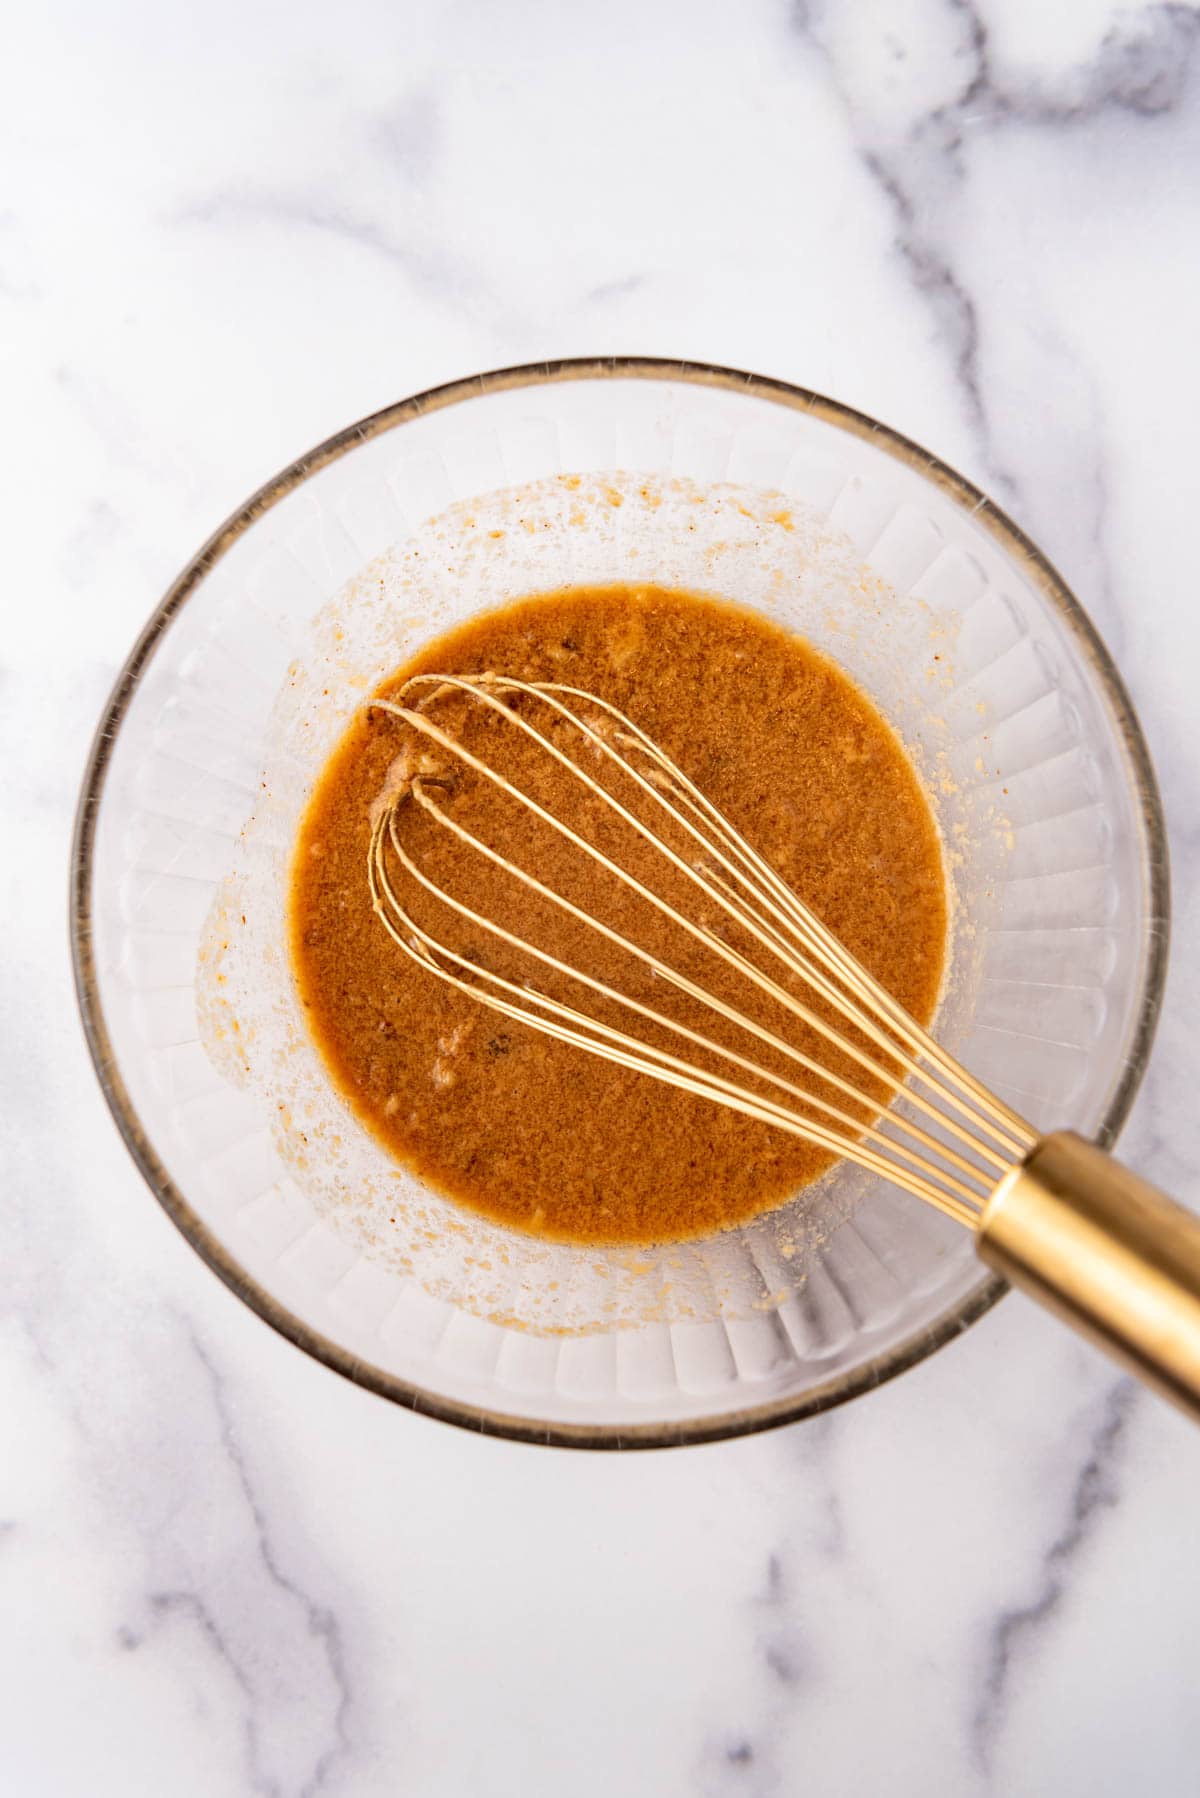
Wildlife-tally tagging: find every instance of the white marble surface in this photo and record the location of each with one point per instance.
(225, 230)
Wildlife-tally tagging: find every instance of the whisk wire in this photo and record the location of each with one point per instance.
(698, 1038)
(759, 902)
(925, 1180)
(1009, 1128)
(801, 920)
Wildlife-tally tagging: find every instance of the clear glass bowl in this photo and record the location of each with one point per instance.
(455, 500)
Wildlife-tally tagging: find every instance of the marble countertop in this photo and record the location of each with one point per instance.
(225, 231)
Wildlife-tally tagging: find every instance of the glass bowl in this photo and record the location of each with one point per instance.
(530, 479)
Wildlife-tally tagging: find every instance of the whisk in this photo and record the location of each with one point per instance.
(1051, 1213)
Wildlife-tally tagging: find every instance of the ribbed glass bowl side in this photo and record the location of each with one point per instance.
(980, 656)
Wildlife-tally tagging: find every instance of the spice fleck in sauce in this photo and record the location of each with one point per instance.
(533, 1132)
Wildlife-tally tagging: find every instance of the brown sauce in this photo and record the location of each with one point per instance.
(536, 1133)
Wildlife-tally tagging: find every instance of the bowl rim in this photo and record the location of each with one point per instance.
(718, 1425)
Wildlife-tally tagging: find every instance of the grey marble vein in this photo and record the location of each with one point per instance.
(1013, 1636)
(782, 1646)
(254, 207)
(166, 1485)
(931, 270)
(815, 1456)
(1145, 66)
(619, 289)
(744, 1756)
(751, 1753)
(409, 134)
(317, 1620)
(189, 1605)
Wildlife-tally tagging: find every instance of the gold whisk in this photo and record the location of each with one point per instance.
(1053, 1213)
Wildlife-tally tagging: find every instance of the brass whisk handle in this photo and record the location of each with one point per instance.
(1112, 1255)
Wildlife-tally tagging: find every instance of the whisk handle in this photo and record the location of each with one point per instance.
(1108, 1252)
